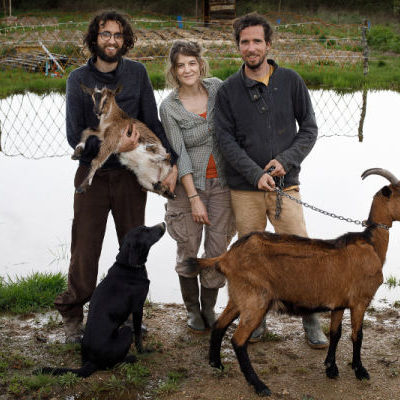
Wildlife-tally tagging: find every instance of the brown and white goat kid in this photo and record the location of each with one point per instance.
(149, 161)
(299, 275)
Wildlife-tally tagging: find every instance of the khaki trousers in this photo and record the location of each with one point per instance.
(253, 209)
(188, 234)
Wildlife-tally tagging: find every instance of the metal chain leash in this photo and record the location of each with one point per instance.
(281, 193)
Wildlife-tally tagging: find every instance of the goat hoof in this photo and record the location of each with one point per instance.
(217, 364)
(263, 391)
(170, 195)
(332, 372)
(361, 373)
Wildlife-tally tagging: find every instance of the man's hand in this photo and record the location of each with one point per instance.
(128, 143)
(170, 180)
(278, 171)
(266, 182)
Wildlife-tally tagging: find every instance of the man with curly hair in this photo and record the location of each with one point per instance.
(114, 188)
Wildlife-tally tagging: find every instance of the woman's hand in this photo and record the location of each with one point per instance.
(128, 143)
(199, 212)
(170, 180)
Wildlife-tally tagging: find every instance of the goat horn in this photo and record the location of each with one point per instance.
(382, 172)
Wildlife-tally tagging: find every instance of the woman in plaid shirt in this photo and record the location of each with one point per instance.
(202, 201)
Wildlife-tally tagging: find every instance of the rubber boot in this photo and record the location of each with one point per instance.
(190, 296)
(316, 339)
(73, 330)
(257, 334)
(208, 298)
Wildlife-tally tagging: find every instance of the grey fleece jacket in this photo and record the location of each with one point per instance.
(136, 99)
(255, 123)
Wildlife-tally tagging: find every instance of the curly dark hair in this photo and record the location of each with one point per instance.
(90, 39)
(252, 19)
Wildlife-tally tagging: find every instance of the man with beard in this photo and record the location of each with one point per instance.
(113, 188)
(255, 122)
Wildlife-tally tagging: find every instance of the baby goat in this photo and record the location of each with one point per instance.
(299, 275)
(149, 161)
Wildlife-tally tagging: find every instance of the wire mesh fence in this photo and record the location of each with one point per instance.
(34, 126)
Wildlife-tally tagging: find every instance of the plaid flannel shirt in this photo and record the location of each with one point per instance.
(192, 137)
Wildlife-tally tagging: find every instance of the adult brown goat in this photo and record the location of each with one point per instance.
(299, 275)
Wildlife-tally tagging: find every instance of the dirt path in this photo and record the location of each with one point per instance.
(178, 369)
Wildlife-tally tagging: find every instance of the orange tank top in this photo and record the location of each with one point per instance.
(211, 171)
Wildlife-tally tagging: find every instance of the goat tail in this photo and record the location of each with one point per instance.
(86, 370)
(197, 264)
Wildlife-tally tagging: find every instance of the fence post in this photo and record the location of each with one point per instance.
(364, 45)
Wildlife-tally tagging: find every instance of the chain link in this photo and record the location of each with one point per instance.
(280, 192)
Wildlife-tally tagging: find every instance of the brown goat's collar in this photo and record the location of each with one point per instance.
(369, 224)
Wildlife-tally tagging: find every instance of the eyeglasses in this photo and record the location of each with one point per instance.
(105, 35)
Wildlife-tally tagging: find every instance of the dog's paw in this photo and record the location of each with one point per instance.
(130, 359)
(217, 364)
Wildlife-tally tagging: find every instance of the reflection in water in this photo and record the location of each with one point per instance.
(362, 118)
(36, 208)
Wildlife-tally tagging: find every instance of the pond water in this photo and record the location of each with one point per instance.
(36, 196)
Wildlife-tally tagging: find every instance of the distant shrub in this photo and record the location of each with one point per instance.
(383, 38)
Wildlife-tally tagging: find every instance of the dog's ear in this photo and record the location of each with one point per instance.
(123, 257)
(138, 253)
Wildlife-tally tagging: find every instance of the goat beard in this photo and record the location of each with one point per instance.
(101, 54)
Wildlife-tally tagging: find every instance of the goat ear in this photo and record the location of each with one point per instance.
(87, 90)
(386, 191)
(118, 89)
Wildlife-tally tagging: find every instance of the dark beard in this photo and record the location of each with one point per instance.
(101, 54)
(256, 66)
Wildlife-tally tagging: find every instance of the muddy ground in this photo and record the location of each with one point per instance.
(178, 368)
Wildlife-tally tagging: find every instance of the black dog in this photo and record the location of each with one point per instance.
(122, 292)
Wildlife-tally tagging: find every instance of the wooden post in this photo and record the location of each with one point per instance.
(364, 45)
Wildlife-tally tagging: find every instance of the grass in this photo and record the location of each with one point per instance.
(384, 74)
(33, 293)
(392, 282)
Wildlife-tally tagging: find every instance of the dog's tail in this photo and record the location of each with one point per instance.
(197, 264)
(86, 370)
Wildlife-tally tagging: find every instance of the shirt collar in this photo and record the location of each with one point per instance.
(251, 82)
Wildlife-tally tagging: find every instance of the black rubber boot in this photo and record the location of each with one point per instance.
(190, 296)
(208, 298)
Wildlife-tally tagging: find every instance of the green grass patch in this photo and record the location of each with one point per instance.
(384, 74)
(392, 282)
(384, 38)
(33, 293)
(135, 374)
(171, 385)
(20, 82)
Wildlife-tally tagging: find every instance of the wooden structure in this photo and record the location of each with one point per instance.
(219, 11)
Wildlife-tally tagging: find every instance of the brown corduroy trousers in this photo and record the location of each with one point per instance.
(115, 190)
